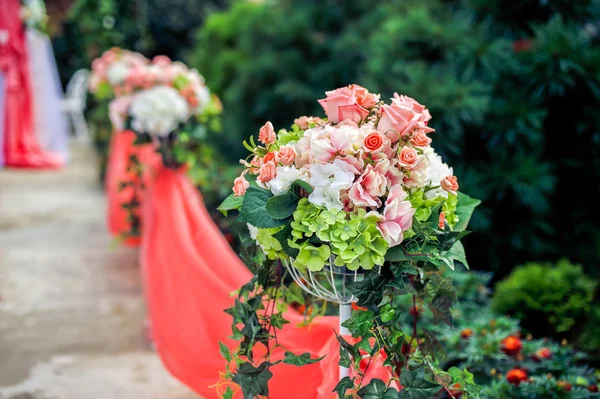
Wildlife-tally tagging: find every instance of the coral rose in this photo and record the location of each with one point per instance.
(267, 172)
(363, 97)
(516, 376)
(272, 156)
(442, 220)
(267, 134)
(450, 184)
(240, 185)
(341, 104)
(409, 159)
(374, 141)
(511, 345)
(420, 139)
(287, 155)
(369, 187)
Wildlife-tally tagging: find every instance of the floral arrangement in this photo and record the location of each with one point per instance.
(365, 173)
(113, 71)
(362, 190)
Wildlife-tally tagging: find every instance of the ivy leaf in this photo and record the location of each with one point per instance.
(464, 210)
(387, 313)
(369, 290)
(230, 203)
(416, 386)
(282, 206)
(399, 254)
(456, 253)
(300, 360)
(342, 386)
(225, 352)
(432, 347)
(440, 306)
(377, 389)
(360, 323)
(346, 351)
(254, 209)
(282, 236)
(398, 269)
(448, 238)
(278, 321)
(254, 381)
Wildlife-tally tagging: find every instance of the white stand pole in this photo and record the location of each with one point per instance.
(345, 313)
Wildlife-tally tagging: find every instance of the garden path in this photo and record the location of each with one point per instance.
(71, 302)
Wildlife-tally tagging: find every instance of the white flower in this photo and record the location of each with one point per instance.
(435, 172)
(286, 175)
(117, 111)
(328, 181)
(158, 111)
(117, 72)
(253, 231)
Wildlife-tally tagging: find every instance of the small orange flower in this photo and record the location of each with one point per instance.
(511, 345)
(442, 220)
(543, 353)
(356, 307)
(466, 333)
(565, 386)
(456, 390)
(516, 376)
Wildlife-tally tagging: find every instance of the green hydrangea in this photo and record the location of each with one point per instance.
(449, 208)
(306, 223)
(312, 257)
(423, 205)
(366, 246)
(269, 244)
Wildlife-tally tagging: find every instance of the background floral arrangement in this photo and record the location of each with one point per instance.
(33, 13)
(112, 71)
(361, 190)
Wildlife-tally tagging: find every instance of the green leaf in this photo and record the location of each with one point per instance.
(377, 389)
(303, 185)
(282, 206)
(399, 254)
(346, 351)
(360, 323)
(416, 386)
(300, 360)
(443, 300)
(432, 347)
(254, 209)
(254, 381)
(456, 253)
(278, 321)
(387, 313)
(225, 351)
(464, 210)
(369, 290)
(342, 386)
(230, 203)
(283, 236)
(228, 393)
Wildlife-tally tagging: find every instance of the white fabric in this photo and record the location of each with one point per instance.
(50, 122)
(2, 112)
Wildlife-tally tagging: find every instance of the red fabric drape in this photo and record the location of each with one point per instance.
(21, 147)
(121, 148)
(189, 272)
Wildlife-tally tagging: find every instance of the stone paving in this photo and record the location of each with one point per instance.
(71, 303)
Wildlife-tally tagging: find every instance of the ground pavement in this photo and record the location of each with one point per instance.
(71, 302)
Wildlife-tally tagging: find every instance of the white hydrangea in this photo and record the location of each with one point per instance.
(158, 111)
(117, 72)
(328, 181)
(435, 172)
(286, 175)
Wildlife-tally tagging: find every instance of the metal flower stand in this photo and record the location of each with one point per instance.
(329, 284)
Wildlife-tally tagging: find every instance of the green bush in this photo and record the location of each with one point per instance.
(547, 299)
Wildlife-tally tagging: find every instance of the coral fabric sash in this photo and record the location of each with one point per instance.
(121, 148)
(21, 147)
(189, 272)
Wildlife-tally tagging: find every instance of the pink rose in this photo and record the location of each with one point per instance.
(342, 104)
(267, 172)
(400, 118)
(363, 97)
(420, 139)
(374, 141)
(397, 216)
(267, 134)
(369, 186)
(272, 156)
(408, 158)
(161, 60)
(450, 184)
(240, 185)
(255, 165)
(287, 155)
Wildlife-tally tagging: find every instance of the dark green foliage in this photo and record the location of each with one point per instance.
(547, 299)
(512, 86)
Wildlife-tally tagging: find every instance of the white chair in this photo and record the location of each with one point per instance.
(74, 103)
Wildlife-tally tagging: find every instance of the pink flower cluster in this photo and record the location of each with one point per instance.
(113, 68)
(367, 154)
